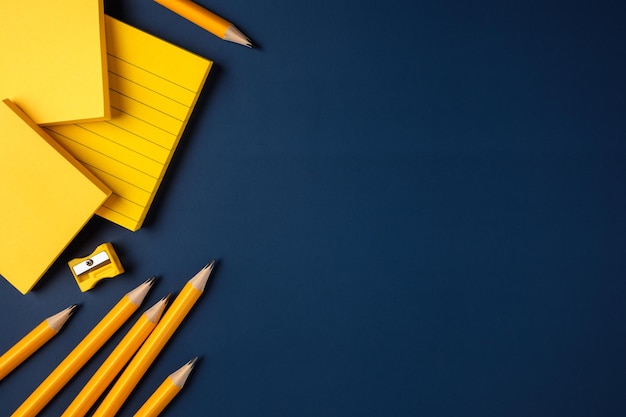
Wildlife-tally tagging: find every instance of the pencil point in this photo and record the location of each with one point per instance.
(179, 377)
(57, 321)
(234, 35)
(201, 278)
(210, 265)
(138, 294)
(71, 309)
(155, 312)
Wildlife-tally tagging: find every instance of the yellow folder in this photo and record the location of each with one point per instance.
(154, 86)
(53, 59)
(47, 197)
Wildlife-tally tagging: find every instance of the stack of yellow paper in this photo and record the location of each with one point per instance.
(47, 197)
(154, 87)
(112, 102)
(53, 69)
(53, 59)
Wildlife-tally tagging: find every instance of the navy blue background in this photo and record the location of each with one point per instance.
(418, 208)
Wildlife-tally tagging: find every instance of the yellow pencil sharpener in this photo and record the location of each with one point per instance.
(102, 263)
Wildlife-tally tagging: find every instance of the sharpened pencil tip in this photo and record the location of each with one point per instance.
(154, 313)
(57, 321)
(234, 35)
(199, 280)
(179, 377)
(137, 295)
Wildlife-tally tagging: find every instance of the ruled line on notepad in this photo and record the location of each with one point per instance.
(151, 97)
(153, 87)
(68, 141)
(146, 104)
(123, 207)
(150, 72)
(127, 123)
(138, 136)
(120, 71)
(112, 121)
(123, 192)
(109, 174)
(72, 142)
(119, 213)
(132, 181)
(132, 80)
(121, 197)
(145, 114)
(131, 149)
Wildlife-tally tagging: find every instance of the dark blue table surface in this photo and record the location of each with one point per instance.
(418, 208)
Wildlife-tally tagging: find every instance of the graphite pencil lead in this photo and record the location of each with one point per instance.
(138, 294)
(155, 312)
(234, 35)
(179, 377)
(199, 280)
(210, 265)
(57, 321)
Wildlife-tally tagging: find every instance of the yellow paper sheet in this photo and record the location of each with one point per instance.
(47, 197)
(154, 86)
(53, 59)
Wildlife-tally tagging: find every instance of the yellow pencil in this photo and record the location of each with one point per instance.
(116, 360)
(57, 379)
(166, 391)
(207, 20)
(154, 344)
(30, 343)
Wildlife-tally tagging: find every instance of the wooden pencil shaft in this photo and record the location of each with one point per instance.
(75, 360)
(114, 363)
(28, 345)
(148, 352)
(157, 402)
(197, 14)
(34, 340)
(166, 392)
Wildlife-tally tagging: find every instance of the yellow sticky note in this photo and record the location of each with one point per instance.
(53, 59)
(154, 86)
(47, 197)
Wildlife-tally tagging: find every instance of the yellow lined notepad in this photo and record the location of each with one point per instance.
(154, 86)
(53, 59)
(47, 197)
